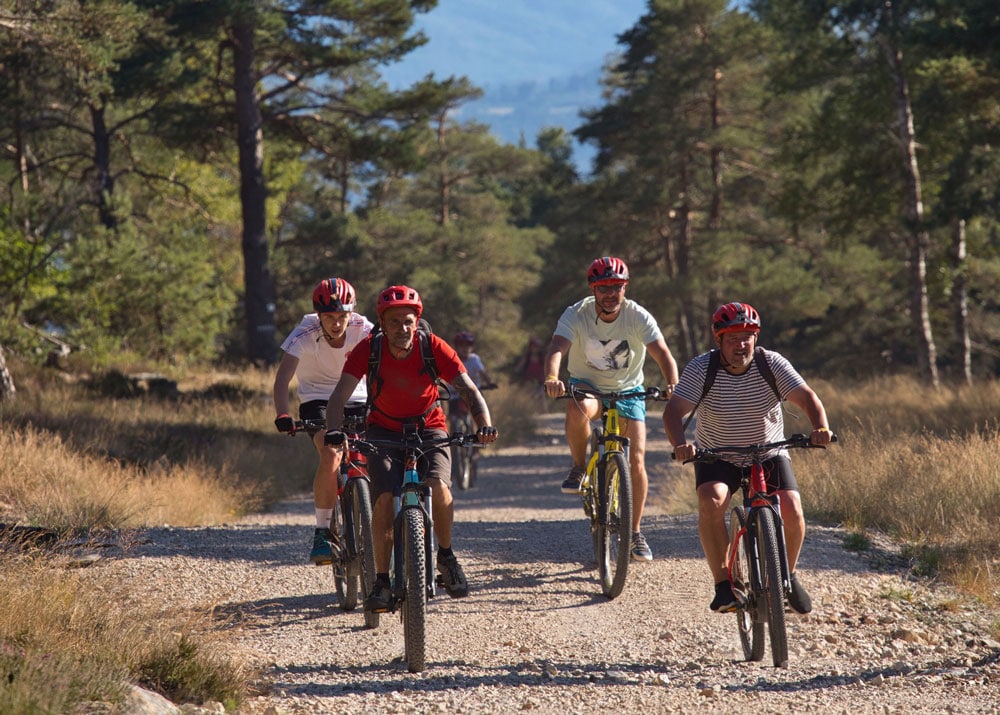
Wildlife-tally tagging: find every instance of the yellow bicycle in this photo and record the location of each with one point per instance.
(607, 486)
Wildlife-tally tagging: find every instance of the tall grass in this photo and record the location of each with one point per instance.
(920, 465)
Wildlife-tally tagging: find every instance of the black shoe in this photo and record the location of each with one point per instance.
(380, 600)
(452, 577)
(724, 601)
(798, 598)
(573, 480)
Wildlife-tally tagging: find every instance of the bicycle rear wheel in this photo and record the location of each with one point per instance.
(414, 611)
(345, 573)
(614, 523)
(773, 588)
(748, 621)
(364, 554)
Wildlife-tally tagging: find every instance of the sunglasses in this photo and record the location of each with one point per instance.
(607, 290)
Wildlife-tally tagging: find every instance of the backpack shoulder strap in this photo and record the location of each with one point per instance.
(764, 368)
(713, 367)
(372, 379)
(426, 352)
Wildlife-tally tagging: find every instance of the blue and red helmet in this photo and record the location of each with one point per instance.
(732, 317)
(607, 271)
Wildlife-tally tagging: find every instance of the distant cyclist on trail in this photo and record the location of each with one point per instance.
(464, 344)
(607, 336)
(315, 353)
(742, 408)
(407, 394)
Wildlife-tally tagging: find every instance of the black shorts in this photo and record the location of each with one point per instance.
(313, 410)
(386, 472)
(777, 472)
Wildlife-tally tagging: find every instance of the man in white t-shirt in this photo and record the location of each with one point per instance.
(606, 337)
(315, 353)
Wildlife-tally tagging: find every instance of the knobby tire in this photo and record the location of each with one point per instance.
(773, 587)
(345, 574)
(365, 559)
(591, 501)
(748, 618)
(414, 611)
(615, 528)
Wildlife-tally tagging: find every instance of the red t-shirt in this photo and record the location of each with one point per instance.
(406, 391)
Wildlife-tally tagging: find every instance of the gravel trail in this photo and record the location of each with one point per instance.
(535, 634)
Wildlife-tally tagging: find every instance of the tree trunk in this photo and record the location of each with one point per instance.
(8, 392)
(259, 287)
(960, 297)
(105, 183)
(918, 238)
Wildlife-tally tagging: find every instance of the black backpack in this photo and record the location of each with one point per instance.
(374, 382)
(714, 360)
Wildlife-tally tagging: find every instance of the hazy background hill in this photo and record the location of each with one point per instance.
(537, 62)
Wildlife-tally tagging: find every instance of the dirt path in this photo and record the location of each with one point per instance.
(536, 634)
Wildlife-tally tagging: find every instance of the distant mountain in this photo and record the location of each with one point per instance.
(522, 109)
(537, 61)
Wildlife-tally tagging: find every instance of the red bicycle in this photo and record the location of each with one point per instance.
(354, 567)
(757, 559)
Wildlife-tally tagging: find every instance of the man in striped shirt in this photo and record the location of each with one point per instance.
(742, 408)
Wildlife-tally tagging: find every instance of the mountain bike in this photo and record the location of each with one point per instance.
(607, 486)
(464, 460)
(412, 569)
(354, 560)
(757, 559)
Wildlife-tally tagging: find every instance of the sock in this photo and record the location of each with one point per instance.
(442, 551)
(323, 518)
(382, 577)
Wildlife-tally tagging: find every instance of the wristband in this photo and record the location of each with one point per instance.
(822, 429)
(551, 377)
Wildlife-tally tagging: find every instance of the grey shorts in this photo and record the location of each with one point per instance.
(386, 469)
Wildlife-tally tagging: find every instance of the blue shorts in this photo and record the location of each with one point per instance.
(631, 408)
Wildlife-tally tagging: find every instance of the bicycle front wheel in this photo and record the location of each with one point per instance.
(614, 523)
(364, 553)
(749, 622)
(345, 575)
(461, 467)
(414, 611)
(773, 588)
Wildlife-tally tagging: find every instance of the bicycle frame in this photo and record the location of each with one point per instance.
(755, 498)
(413, 492)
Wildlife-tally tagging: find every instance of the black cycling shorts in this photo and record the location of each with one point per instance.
(386, 472)
(777, 472)
(313, 410)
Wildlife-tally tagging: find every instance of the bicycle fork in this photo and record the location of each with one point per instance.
(413, 495)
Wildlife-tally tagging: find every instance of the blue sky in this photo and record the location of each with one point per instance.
(499, 42)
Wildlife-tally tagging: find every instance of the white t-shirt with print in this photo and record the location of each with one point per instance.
(320, 365)
(610, 356)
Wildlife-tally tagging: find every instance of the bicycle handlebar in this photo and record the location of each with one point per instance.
(755, 451)
(374, 446)
(648, 393)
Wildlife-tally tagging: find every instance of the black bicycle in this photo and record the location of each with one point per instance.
(757, 559)
(464, 460)
(412, 570)
(354, 560)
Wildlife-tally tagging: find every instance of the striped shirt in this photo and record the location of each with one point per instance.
(739, 409)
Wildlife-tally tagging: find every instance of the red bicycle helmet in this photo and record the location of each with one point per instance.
(399, 297)
(607, 271)
(731, 317)
(334, 295)
(465, 337)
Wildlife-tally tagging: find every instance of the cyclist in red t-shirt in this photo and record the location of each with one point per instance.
(407, 395)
